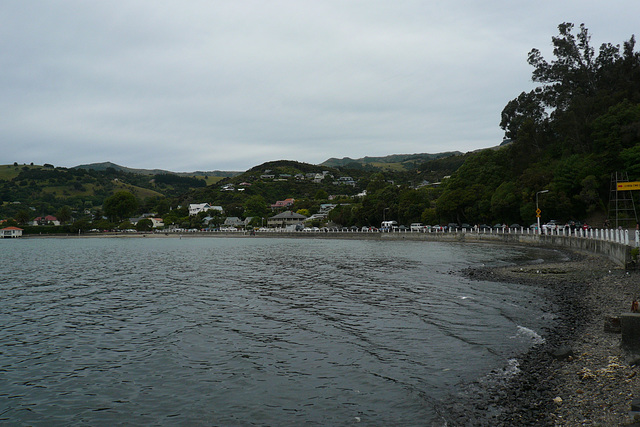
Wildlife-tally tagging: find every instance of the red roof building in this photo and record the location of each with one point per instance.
(10, 232)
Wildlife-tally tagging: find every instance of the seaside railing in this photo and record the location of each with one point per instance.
(620, 235)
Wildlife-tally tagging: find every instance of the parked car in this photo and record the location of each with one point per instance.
(550, 226)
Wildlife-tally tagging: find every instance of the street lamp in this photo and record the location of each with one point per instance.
(384, 216)
(538, 209)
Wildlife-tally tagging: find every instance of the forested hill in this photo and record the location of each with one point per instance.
(397, 162)
(45, 189)
(570, 134)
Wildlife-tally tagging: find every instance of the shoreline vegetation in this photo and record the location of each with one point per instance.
(579, 375)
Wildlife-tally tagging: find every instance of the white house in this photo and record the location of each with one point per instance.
(157, 222)
(10, 232)
(46, 220)
(196, 208)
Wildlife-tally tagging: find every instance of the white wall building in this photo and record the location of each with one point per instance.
(196, 208)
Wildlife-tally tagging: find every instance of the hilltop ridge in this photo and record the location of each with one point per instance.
(103, 166)
(392, 161)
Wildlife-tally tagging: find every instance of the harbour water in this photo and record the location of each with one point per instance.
(250, 331)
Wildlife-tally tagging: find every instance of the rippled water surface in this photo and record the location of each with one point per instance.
(235, 331)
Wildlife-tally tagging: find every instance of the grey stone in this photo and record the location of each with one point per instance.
(561, 353)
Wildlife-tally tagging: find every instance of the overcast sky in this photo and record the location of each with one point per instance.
(228, 85)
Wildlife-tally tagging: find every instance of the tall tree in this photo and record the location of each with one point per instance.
(64, 214)
(22, 217)
(121, 205)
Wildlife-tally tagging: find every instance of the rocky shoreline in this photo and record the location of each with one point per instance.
(579, 376)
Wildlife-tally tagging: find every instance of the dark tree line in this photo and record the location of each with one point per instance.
(569, 134)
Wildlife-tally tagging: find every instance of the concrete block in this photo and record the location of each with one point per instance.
(630, 328)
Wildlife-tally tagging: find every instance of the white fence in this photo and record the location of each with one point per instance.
(610, 235)
(621, 236)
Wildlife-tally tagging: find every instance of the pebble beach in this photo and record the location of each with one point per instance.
(579, 376)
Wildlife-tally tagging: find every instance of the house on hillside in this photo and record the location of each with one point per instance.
(282, 204)
(345, 180)
(196, 208)
(285, 218)
(233, 221)
(45, 220)
(9, 232)
(157, 222)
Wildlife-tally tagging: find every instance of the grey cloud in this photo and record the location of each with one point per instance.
(229, 85)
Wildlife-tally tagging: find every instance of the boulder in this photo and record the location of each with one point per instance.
(562, 353)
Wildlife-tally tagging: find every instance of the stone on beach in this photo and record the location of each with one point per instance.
(581, 363)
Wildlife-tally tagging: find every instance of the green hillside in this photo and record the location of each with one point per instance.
(275, 181)
(199, 174)
(393, 162)
(45, 189)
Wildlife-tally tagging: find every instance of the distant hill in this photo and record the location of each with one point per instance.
(106, 165)
(396, 162)
(45, 189)
(276, 180)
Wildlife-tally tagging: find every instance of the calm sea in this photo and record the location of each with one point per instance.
(251, 331)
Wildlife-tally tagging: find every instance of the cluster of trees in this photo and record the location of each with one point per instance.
(569, 135)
